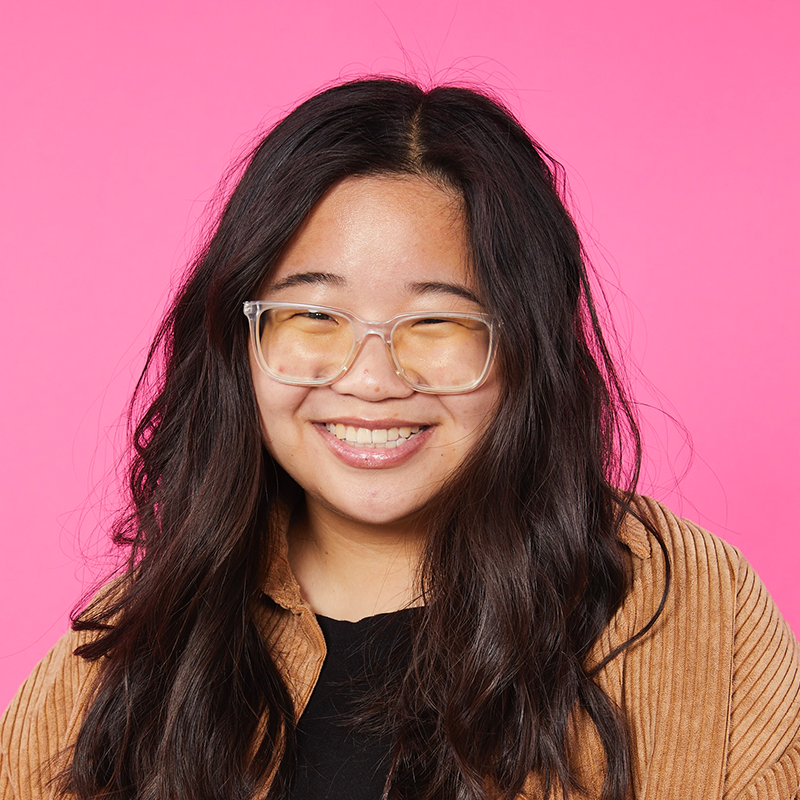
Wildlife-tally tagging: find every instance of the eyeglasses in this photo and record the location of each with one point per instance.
(433, 352)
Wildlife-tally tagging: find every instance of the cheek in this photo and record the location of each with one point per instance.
(474, 411)
(278, 406)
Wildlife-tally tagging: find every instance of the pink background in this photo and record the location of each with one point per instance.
(677, 123)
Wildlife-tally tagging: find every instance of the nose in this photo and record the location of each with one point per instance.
(372, 375)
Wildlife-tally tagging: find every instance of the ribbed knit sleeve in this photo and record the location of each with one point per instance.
(712, 692)
(41, 721)
(764, 729)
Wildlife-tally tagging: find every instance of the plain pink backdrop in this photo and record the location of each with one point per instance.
(678, 127)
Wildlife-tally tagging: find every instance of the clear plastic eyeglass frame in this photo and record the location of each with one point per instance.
(253, 309)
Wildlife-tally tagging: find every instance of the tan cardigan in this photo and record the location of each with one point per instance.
(712, 693)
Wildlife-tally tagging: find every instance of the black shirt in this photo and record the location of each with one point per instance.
(336, 760)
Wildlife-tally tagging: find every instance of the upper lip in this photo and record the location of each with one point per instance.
(373, 424)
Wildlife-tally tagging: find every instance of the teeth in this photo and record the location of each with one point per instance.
(367, 437)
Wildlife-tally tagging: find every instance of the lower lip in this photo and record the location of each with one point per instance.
(374, 457)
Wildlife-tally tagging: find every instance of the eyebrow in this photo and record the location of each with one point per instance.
(331, 279)
(309, 278)
(437, 287)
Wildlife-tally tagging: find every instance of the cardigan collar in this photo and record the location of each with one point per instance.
(280, 583)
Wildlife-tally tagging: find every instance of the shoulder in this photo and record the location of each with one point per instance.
(710, 593)
(44, 717)
(720, 666)
(693, 572)
(651, 528)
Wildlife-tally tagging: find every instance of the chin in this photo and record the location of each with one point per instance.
(374, 511)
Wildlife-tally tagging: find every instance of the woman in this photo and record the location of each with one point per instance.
(413, 567)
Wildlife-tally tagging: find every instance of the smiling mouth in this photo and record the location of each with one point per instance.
(377, 438)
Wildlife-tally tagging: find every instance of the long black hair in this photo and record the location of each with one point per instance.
(523, 568)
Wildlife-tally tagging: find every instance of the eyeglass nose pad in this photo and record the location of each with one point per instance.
(387, 342)
(374, 332)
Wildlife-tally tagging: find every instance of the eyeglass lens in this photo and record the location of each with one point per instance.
(308, 346)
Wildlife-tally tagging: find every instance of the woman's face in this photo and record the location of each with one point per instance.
(378, 247)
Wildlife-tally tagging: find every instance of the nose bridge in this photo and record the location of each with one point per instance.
(371, 374)
(365, 328)
(383, 330)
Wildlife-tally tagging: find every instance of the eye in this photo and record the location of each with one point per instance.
(312, 321)
(450, 323)
(433, 321)
(315, 315)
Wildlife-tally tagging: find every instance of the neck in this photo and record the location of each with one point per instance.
(348, 569)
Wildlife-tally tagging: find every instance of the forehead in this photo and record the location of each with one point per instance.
(379, 233)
